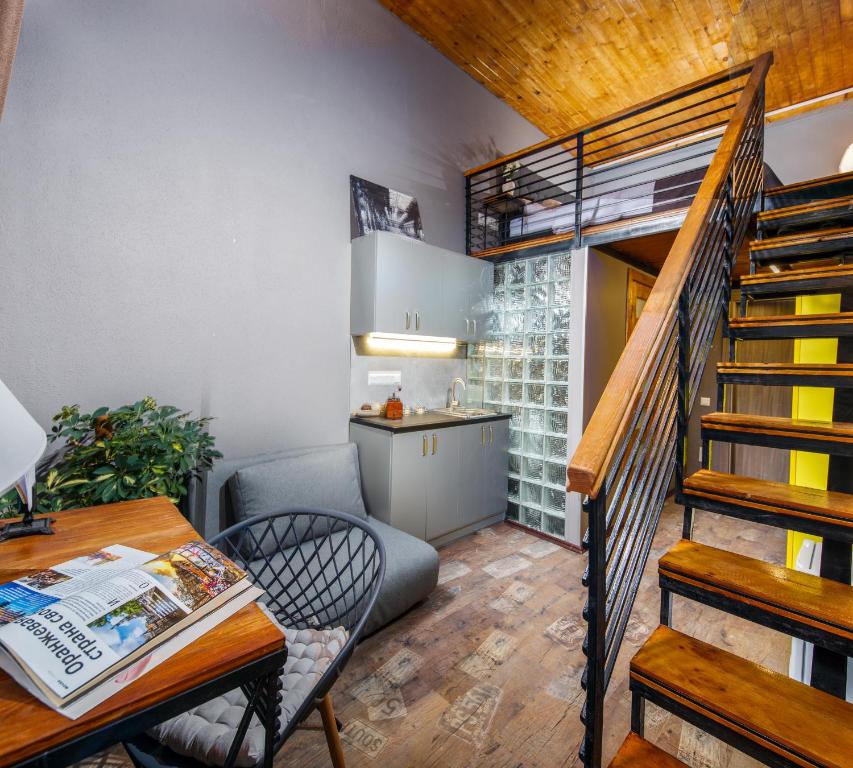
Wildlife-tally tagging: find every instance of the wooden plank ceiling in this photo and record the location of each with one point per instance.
(565, 63)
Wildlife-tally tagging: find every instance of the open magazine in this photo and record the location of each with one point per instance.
(78, 632)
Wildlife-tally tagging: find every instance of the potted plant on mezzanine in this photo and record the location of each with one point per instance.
(133, 452)
(508, 172)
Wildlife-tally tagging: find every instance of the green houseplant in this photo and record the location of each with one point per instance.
(132, 452)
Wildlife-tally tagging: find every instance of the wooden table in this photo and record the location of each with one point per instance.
(246, 649)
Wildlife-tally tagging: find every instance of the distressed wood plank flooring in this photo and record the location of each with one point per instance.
(487, 671)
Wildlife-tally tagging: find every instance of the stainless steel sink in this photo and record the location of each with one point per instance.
(465, 413)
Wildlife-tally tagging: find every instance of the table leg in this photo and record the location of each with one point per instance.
(270, 703)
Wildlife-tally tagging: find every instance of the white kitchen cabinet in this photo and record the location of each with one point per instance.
(496, 468)
(467, 284)
(472, 459)
(483, 459)
(407, 494)
(438, 482)
(444, 483)
(402, 285)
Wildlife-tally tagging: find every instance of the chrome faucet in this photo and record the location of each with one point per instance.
(452, 402)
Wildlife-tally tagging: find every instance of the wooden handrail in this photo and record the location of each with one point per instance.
(684, 90)
(11, 13)
(613, 414)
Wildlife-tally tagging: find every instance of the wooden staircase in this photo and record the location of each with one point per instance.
(775, 719)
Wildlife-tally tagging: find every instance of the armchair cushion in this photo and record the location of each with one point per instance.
(205, 733)
(327, 480)
(411, 573)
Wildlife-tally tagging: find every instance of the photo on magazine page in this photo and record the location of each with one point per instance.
(134, 623)
(194, 573)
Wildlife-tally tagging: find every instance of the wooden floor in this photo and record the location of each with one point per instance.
(487, 671)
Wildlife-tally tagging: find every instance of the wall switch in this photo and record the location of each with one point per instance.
(706, 401)
(384, 378)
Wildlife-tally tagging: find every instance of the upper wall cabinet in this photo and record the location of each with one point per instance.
(401, 285)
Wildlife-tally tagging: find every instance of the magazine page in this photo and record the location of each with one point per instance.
(28, 594)
(67, 644)
(120, 680)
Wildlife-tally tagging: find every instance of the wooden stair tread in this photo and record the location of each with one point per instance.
(801, 369)
(745, 422)
(827, 318)
(637, 752)
(801, 238)
(787, 374)
(830, 324)
(840, 203)
(829, 278)
(790, 275)
(771, 710)
(800, 186)
(822, 603)
(833, 504)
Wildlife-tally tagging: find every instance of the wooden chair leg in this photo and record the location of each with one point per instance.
(330, 727)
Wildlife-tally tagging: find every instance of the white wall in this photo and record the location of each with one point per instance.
(425, 380)
(811, 145)
(174, 209)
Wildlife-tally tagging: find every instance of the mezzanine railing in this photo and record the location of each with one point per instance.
(635, 172)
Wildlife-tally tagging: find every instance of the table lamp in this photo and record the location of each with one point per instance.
(22, 442)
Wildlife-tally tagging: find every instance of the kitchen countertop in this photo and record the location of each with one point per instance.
(428, 420)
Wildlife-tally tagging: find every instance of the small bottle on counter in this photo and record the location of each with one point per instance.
(394, 406)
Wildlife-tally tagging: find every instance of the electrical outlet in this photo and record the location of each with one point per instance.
(384, 378)
(705, 401)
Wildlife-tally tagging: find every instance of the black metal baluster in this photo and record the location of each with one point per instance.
(578, 188)
(593, 713)
(469, 222)
(682, 407)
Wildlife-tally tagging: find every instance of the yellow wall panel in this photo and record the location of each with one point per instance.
(813, 403)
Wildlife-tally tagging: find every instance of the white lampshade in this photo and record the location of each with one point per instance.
(22, 440)
(846, 164)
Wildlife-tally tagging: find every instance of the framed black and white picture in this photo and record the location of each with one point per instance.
(375, 207)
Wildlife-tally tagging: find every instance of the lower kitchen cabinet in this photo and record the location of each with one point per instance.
(444, 480)
(437, 482)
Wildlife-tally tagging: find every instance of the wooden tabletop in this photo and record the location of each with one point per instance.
(27, 727)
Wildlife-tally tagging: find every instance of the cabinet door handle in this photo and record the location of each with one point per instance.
(426, 444)
(417, 321)
(408, 320)
(475, 326)
(434, 443)
(491, 435)
(483, 434)
(467, 327)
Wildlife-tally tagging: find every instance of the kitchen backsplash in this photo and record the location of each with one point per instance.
(425, 380)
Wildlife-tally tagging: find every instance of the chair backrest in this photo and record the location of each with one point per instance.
(319, 568)
(213, 510)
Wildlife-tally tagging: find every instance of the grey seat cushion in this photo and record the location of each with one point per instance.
(205, 733)
(411, 565)
(411, 573)
(327, 479)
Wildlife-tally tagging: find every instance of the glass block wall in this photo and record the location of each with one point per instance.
(522, 368)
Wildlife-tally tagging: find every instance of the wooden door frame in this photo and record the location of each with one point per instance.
(636, 279)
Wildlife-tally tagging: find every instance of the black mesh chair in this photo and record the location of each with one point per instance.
(320, 569)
